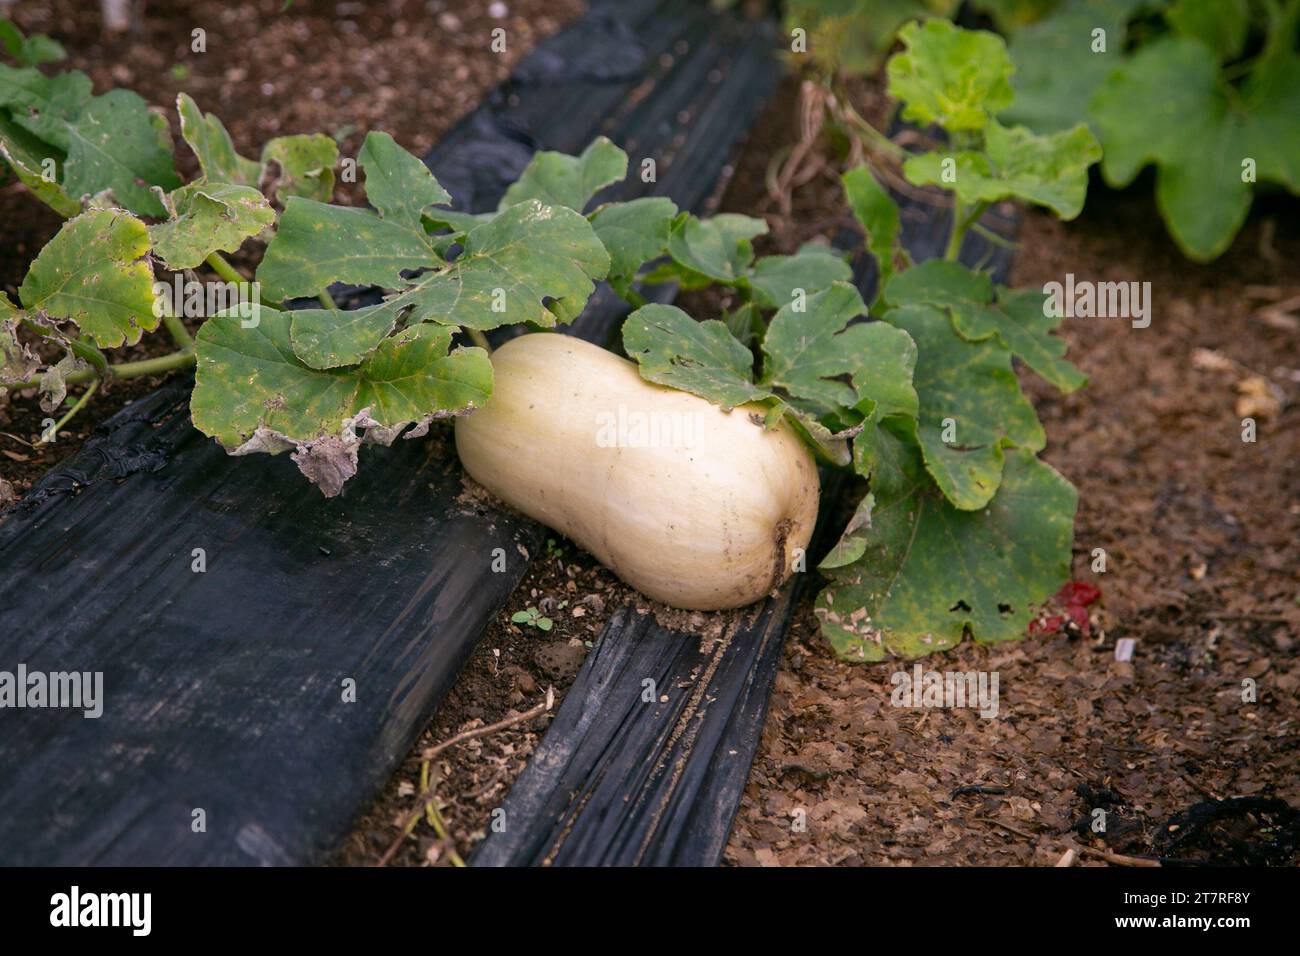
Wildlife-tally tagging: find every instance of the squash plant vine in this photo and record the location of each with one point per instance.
(963, 529)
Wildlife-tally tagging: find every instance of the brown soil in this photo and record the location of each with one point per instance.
(410, 67)
(1201, 537)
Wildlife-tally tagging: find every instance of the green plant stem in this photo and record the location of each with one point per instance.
(955, 234)
(180, 335)
(1000, 241)
(223, 268)
(478, 338)
(327, 300)
(228, 272)
(77, 406)
(153, 366)
(963, 217)
(84, 350)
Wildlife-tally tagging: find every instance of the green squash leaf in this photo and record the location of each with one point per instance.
(1059, 65)
(1049, 170)
(718, 248)
(458, 222)
(305, 165)
(554, 179)
(398, 184)
(1222, 25)
(249, 378)
(508, 268)
(807, 351)
(956, 78)
(854, 539)
(212, 145)
(884, 369)
(702, 358)
(111, 141)
(968, 393)
(206, 218)
(877, 213)
(884, 385)
(1199, 136)
(938, 282)
(775, 280)
(511, 264)
(26, 155)
(1019, 322)
(634, 232)
(1017, 318)
(929, 572)
(95, 274)
(317, 245)
(29, 50)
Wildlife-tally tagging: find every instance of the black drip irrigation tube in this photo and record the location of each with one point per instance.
(623, 777)
(268, 656)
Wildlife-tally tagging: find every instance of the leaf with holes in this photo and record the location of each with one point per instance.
(207, 218)
(317, 245)
(808, 351)
(509, 267)
(512, 264)
(929, 572)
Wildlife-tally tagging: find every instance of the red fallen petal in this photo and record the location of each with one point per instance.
(1079, 616)
(1077, 592)
(1048, 625)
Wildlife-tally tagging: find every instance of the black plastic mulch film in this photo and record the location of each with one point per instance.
(224, 689)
